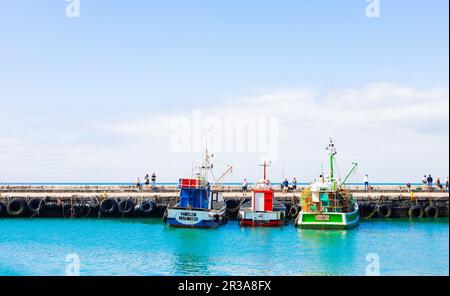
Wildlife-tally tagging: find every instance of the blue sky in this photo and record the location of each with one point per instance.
(65, 83)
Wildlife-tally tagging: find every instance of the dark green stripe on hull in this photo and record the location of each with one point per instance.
(327, 226)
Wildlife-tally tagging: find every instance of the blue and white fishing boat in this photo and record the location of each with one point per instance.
(199, 206)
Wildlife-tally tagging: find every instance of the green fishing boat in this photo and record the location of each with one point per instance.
(326, 203)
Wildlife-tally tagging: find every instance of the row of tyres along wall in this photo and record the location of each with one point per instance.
(382, 207)
(80, 207)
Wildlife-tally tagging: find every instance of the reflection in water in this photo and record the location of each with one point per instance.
(191, 249)
(329, 246)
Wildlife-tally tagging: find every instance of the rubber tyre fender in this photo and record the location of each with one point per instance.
(384, 211)
(232, 204)
(293, 212)
(126, 207)
(2, 209)
(365, 209)
(35, 205)
(16, 207)
(147, 206)
(109, 206)
(432, 212)
(416, 212)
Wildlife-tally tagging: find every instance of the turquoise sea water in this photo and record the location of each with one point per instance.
(148, 247)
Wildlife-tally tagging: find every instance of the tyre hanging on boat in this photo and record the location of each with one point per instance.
(109, 207)
(384, 211)
(35, 205)
(416, 212)
(17, 207)
(126, 207)
(432, 212)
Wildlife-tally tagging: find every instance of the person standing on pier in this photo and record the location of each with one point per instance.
(446, 184)
(430, 181)
(138, 183)
(147, 180)
(294, 184)
(366, 182)
(153, 180)
(438, 183)
(244, 187)
(285, 185)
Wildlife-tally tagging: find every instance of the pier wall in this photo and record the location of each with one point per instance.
(129, 201)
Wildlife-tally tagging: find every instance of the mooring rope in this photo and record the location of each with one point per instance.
(90, 208)
(37, 213)
(376, 207)
(126, 205)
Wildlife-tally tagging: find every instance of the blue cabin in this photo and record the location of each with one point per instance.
(194, 193)
(194, 198)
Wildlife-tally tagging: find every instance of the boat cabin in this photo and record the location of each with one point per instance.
(262, 199)
(197, 194)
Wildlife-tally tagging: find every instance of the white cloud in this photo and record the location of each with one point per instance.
(395, 132)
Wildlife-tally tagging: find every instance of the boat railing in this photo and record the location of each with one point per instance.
(192, 184)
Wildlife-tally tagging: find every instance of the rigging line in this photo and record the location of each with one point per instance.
(212, 174)
(222, 162)
(337, 169)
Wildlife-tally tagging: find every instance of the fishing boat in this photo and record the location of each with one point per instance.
(199, 206)
(326, 204)
(262, 209)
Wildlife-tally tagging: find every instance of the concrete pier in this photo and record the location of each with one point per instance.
(382, 201)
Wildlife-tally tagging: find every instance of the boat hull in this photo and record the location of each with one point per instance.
(189, 218)
(261, 219)
(328, 220)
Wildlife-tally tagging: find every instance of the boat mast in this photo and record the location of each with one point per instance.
(332, 152)
(265, 165)
(206, 166)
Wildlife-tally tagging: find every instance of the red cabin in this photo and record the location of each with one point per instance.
(262, 200)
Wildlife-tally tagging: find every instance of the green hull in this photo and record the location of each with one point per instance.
(328, 220)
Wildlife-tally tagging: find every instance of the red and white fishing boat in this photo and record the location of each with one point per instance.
(262, 209)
